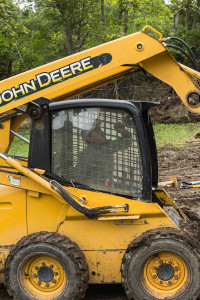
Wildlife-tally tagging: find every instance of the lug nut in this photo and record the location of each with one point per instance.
(51, 266)
(160, 262)
(34, 276)
(39, 282)
(43, 263)
(47, 285)
(56, 273)
(170, 262)
(154, 276)
(161, 282)
(176, 268)
(176, 277)
(155, 268)
(53, 281)
(169, 282)
(36, 267)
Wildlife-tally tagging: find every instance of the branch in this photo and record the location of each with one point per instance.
(20, 57)
(178, 11)
(78, 47)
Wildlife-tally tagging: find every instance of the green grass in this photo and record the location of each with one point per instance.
(19, 147)
(175, 134)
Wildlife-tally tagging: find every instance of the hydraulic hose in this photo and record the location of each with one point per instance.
(183, 51)
(185, 44)
(60, 193)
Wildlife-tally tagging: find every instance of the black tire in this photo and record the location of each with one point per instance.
(162, 264)
(46, 266)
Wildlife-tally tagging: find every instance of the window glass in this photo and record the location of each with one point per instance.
(98, 147)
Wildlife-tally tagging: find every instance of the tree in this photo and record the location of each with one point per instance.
(10, 29)
(189, 10)
(126, 7)
(186, 24)
(72, 20)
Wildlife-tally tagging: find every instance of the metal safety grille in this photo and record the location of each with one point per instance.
(98, 147)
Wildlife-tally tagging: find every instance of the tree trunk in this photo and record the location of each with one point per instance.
(116, 92)
(196, 16)
(187, 17)
(79, 25)
(67, 29)
(120, 20)
(9, 69)
(177, 21)
(125, 21)
(102, 11)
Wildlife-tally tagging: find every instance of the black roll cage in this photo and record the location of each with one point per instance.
(41, 143)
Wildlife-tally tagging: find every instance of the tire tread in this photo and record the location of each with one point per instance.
(66, 245)
(146, 239)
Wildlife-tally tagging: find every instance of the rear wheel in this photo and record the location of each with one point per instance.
(46, 266)
(162, 264)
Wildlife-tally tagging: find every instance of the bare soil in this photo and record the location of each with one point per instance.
(173, 111)
(184, 164)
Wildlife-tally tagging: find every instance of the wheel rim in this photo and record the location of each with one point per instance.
(165, 274)
(43, 276)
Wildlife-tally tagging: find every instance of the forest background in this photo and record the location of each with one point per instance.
(33, 33)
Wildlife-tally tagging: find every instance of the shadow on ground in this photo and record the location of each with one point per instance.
(94, 292)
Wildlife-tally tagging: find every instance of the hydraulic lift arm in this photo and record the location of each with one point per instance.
(68, 77)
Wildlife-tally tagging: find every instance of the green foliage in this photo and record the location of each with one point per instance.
(154, 13)
(41, 31)
(175, 134)
(10, 29)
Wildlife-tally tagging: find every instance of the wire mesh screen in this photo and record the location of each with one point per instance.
(98, 147)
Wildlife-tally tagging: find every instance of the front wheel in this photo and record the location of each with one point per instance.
(162, 264)
(46, 266)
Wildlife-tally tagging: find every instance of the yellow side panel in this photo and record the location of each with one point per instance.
(44, 212)
(99, 235)
(12, 215)
(104, 266)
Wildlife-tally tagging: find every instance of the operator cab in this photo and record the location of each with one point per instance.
(97, 144)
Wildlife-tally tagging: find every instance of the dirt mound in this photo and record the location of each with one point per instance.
(184, 164)
(197, 136)
(173, 111)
